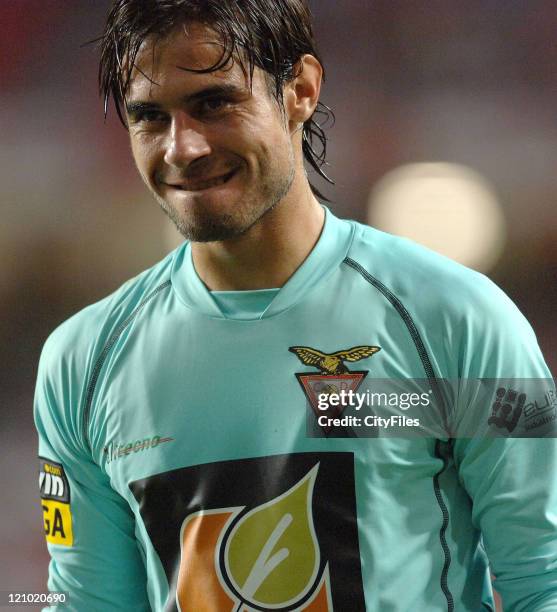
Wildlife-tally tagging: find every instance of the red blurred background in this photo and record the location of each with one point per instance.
(471, 83)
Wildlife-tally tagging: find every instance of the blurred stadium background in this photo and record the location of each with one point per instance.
(446, 127)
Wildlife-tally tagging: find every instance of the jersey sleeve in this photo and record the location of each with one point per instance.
(511, 480)
(89, 527)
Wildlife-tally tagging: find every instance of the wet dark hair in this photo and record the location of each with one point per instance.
(268, 34)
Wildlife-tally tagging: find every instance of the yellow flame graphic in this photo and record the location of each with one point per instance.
(272, 555)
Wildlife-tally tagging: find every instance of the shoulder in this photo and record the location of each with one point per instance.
(414, 272)
(455, 307)
(76, 342)
(70, 356)
(71, 352)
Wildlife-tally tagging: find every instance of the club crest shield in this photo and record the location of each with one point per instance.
(332, 377)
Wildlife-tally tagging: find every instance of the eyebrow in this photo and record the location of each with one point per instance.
(228, 90)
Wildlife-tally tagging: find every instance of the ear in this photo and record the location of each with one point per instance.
(302, 93)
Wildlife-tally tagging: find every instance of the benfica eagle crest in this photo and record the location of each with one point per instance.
(332, 376)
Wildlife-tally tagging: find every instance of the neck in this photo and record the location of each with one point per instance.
(269, 253)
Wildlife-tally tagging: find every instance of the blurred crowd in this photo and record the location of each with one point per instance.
(471, 83)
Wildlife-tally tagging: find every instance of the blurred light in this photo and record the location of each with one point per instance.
(446, 207)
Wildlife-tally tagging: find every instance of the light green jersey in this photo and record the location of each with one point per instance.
(183, 465)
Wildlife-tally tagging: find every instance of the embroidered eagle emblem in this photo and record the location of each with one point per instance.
(332, 363)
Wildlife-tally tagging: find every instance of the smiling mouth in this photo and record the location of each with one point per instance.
(201, 185)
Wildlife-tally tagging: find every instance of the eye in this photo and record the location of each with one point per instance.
(212, 105)
(146, 116)
(149, 116)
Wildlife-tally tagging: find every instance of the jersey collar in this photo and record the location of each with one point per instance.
(326, 256)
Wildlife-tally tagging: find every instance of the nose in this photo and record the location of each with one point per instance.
(186, 141)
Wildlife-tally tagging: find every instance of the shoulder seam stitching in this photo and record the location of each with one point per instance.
(103, 355)
(400, 308)
(410, 326)
(428, 367)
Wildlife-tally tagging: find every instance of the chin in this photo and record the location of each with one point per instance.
(214, 231)
(202, 226)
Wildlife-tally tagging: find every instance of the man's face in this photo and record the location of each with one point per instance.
(215, 154)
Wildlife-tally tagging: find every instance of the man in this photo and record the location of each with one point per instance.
(186, 460)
